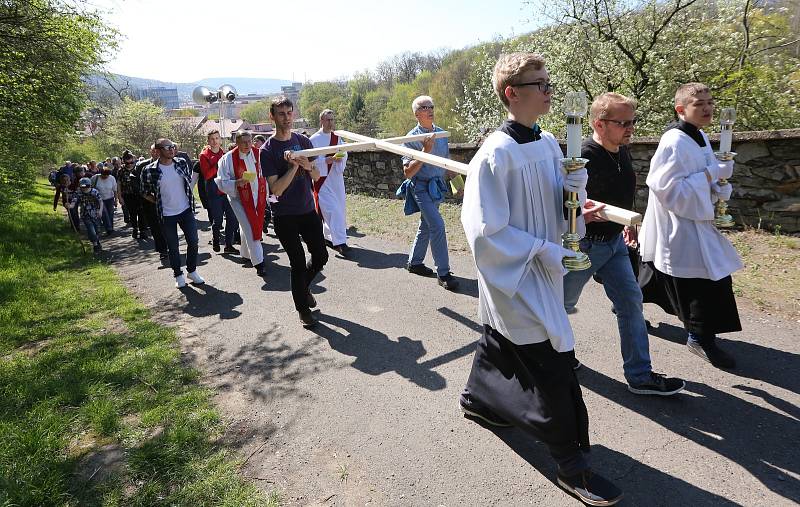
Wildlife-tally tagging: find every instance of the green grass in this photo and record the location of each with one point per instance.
(83, 370)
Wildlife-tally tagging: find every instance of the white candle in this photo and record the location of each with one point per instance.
(725, 140)
(574, 139)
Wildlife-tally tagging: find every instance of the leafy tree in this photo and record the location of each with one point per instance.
(135, 125)
(315, 97)
(397, 118)
(256, 112)
(48, 46)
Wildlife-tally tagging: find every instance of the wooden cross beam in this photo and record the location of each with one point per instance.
(394, 145)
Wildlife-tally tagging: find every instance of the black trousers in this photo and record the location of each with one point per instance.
(290, 229)
(136, 218)
(534, 388)
(151, 215)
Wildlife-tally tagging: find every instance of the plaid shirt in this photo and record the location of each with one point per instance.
(88, 203)
(151, 182)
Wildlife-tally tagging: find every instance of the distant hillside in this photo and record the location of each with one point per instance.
(243, 85)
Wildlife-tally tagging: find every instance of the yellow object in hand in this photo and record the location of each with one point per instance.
(248, 176)
(339, 154)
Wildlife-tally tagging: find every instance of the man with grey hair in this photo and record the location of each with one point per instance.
(424, 189)
(329, 194)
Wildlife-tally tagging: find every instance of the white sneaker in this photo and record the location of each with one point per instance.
(180, 281)
(195, 278)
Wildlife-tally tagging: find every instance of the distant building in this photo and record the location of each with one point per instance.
(292, 92)
(159, 95)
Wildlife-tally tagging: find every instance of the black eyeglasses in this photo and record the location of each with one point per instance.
(624, 124)
(425, 108)
(543, 86)
(169, 147)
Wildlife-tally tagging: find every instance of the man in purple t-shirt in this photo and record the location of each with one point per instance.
(290, 178)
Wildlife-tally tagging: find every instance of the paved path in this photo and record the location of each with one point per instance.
(363, 410)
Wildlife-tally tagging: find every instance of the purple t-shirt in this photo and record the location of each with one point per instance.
(298, 198)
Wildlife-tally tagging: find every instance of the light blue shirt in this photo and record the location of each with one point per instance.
(440, 148)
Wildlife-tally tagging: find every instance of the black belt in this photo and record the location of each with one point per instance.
(601, 238)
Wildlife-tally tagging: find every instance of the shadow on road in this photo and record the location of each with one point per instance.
(753, 437)
(206, 300)
(376, 354)
(753, 361)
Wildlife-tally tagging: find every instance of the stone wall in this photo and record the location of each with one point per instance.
(766, 179)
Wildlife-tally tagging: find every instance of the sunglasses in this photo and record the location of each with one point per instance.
(624, 124)
(425, 108)
(169, 147)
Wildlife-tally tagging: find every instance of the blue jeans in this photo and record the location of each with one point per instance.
(189, 227)
(91, 229)
(431, 231)
(610, 260)
(219, 207)
(108, 214)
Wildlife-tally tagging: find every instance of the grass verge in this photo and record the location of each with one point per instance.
(96, 407)
(770, 281)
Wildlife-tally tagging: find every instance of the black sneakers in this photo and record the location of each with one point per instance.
(230, 250)
(419, 269)
(590, 488)
(712, 353)
(307, 319)
(448, 281)
(479, 414)
(658, 384)
(312, 303)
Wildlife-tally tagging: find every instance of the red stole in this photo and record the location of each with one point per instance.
(318, 184)
(255, 213)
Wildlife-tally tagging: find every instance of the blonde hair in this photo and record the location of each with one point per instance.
(510, 67)
(688, 90)
(603, 102)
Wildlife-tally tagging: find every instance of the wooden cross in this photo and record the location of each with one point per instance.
(394, 145)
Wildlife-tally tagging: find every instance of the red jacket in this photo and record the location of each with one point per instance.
(208, 162)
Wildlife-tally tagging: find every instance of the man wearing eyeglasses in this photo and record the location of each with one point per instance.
(612, 181)
(130, 196)
(168, 182)
(149, 208)
(424, 189)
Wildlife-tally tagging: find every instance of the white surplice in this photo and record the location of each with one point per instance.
(513, 205)
(331, 194)
(678, 233)
(226, 181)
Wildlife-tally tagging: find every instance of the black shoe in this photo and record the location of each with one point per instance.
(345, 247)
(658, 384)
(419, 269)
(143, 236)
(590, 488)
(308, 319)
(484, 415)
(312, 303)
(448, 281)
(712, 353)
(97, 248)
(215, 245)
(259, 268)
(340, 250)
(163, 256)
(108, 234)
(328, 244)
(135, 234)
(230, 250)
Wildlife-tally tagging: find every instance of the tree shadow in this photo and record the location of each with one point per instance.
(752, 436)
(753, 361)
(376, 354)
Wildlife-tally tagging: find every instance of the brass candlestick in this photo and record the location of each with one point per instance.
(722, 219)
(727, 118)
(571, 239)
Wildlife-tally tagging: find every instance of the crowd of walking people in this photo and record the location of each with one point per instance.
(523, 373)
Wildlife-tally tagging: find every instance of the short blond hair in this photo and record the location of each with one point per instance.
(687, 91)
(510, 67)
(603, 102)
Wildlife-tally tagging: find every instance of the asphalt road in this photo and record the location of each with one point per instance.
(363, 410)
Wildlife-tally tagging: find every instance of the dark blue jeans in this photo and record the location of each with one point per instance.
(219, 207)
(108, 214)
(91, 229)
(189, 227)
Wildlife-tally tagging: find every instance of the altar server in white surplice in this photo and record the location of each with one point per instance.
(513, 217)
(239, 176)
(691, 261)
(329, 193)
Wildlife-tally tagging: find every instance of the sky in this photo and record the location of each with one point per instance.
(187, 40)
